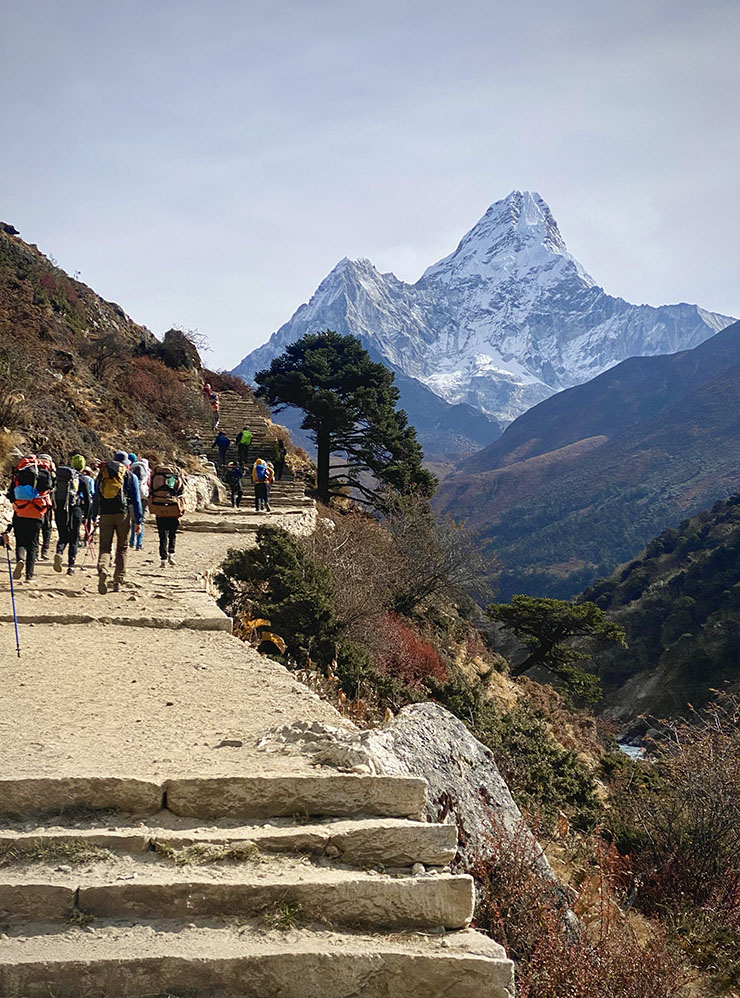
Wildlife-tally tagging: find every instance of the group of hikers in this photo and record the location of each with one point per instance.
(110, 501)
(263, 473)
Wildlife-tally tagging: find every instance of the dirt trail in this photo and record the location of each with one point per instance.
(132, 685)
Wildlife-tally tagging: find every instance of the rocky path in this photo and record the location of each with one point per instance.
(149, 847)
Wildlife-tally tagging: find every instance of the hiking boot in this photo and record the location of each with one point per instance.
(163, 564)
(171, 559)
(71, 570)
(18, 570)
(268, 508)
(116, 587)
(57, 562)
(102, 582)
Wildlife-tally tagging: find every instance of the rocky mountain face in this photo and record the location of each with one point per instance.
(505, 321)
(581, 482)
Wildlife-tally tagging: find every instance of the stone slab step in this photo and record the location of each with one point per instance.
(394, 842)
(252, 962)
(333, 794)
(149, 886)
(215, 621)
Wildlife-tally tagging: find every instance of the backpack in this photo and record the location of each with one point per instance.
(32, 482)
(166, 492)
(67, 492)
(112, 496)
(262, 472)
(141, 471)
(245, 438)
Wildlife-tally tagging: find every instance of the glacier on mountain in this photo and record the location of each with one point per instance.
(506, 320)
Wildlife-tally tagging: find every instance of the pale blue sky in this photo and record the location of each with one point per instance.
(205, 164)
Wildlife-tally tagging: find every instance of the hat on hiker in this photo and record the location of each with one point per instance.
(122, 457)
(133, 458)
(77, 462)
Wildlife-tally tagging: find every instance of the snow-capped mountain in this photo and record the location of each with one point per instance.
(506, 320)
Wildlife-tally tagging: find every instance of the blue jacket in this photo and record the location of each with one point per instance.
(130, 490)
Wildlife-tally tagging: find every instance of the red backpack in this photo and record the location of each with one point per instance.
(32, 484)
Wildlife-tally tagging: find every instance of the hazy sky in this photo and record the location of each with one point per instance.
(205, 164)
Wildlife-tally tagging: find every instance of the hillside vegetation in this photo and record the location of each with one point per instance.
(76, 373)
(679, 603)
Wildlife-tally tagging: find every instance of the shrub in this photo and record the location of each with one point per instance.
(557, 957)
(157, 387)
(408, 657)
(278, 581)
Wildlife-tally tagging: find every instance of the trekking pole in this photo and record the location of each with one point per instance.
(12, 600)
(89, 547)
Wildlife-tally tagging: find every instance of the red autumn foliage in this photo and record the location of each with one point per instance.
(156, 386)
(407, 656)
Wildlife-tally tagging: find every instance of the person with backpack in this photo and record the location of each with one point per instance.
(215, 409)
(234, 475)
(261, 478)
(167, 503)
(243, 441)
(46, 523)
(72, 502)
(117, 501)
(280, 453)
(223, 443)
(140, 468)
(30, 494)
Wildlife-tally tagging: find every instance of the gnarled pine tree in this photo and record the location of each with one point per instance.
(349, 406)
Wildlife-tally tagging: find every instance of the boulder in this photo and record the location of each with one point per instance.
(465, 786)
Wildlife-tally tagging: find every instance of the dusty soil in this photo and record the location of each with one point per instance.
(97, 698)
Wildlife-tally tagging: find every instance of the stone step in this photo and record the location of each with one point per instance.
(153, 886)
(332, 794)
(392, 842)
(251, 961)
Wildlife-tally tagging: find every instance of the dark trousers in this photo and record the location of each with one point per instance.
(46, 530)
(26, 531)
(222, 454)
(167, 530)
(279, 467)
(243, 454)
(68, 526)
(236, 495)
(261, 495)
(114, 525)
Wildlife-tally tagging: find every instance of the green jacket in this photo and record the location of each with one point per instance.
(244, 438)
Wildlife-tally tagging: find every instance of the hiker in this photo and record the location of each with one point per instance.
(215, 408)
(167, 503)
(261, 479)
(234, 475)
(207, 391)
(30, 494)
(47, 521)
(72, 502)
(223, 443)
(280, 453)
(243, 440)
(140, 468)
(116, 503)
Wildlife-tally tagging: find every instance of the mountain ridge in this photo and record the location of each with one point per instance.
(597, 505)
(501, 323)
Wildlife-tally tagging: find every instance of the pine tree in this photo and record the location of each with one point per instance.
(349, 406)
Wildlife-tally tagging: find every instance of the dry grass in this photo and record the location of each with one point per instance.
(203, 852)
(50, 851)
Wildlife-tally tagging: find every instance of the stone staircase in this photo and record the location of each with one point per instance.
(273, 886)
(237, 412)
